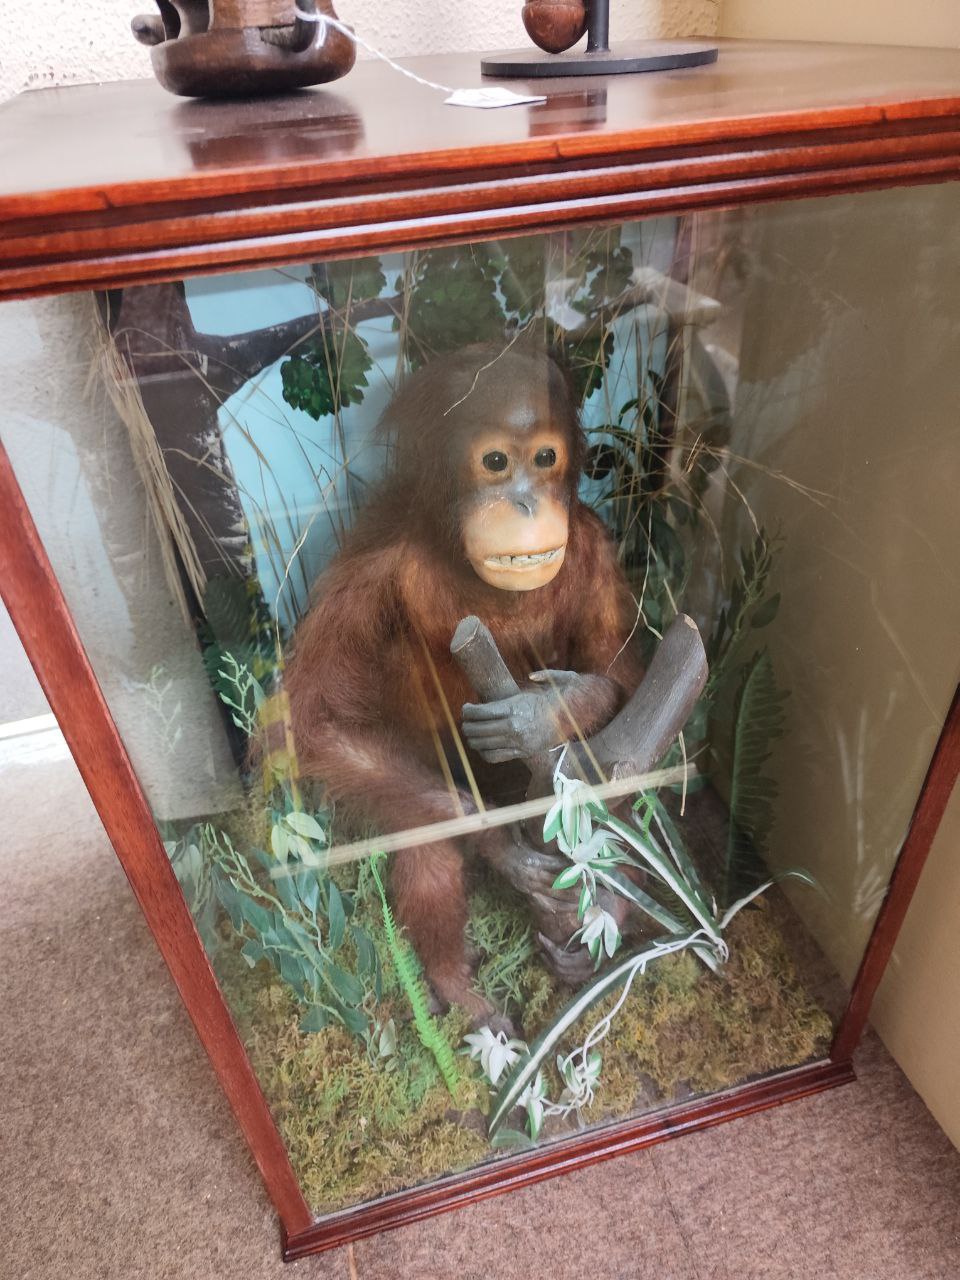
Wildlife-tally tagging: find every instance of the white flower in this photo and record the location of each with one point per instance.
(494, 1052)
(580, 1078)
(533, 1098)
(599, 929)
(568, 819)
(601, 846)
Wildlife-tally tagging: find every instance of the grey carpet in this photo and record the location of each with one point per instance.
(120, 1158)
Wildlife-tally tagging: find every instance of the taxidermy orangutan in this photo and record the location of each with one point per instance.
(479, 514)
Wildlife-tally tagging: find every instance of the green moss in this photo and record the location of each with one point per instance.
(683, 1030)
(358, 1127)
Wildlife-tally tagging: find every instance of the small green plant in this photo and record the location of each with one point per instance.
(411, 979)
(245, 697)
(499, 928)
(750, 606)
(283, 905)
(298, 920)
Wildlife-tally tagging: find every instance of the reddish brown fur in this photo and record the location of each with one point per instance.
(368, 658)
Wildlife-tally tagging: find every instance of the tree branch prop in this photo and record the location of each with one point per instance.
(642, 732)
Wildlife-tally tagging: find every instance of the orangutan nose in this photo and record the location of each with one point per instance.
(526, 502)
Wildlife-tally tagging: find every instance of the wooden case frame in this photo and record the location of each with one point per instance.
(850, 120)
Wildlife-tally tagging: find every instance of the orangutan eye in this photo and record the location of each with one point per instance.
(545, 457)
(495, 460)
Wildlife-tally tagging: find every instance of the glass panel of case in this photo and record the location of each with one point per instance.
(395, 572)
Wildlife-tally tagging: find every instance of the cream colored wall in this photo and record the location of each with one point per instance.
(917, 1010)
(847, 413)
(929, 22)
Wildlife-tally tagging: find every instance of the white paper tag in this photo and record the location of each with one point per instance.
(489, 98)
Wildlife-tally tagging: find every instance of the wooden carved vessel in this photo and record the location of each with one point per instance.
(241, 48)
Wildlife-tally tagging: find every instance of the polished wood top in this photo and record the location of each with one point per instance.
(99, 146)
(109, 184)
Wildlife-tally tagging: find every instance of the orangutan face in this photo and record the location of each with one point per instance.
(516, 518)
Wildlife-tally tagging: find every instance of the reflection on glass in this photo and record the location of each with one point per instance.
(485, 847)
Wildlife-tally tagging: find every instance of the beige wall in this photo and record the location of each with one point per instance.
(917, 1011)
(929, 22)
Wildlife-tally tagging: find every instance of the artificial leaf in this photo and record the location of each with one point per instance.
(315, 1019)
(387, 1040)
(758, 722)
(765, 613)
(355, 1020)
(345, 984)
(279, 842)
(308, 886)
(567, 878)
(306, 825)
(336, 917)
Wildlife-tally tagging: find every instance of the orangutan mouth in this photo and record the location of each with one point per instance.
(525, 561)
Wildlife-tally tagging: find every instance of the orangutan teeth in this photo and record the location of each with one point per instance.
(524, 561)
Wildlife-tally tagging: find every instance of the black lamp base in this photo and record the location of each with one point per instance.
(628, 58)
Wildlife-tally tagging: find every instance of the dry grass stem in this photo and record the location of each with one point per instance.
(163, 506)
(488, 820)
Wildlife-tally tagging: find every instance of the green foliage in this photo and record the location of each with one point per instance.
(285, 909)
(408, 971)
(758, 722)
(195, 878)
(521, 267)
(238, 646)
(345, 283)
(453, 301)
(508, 973)
(356, 1130)
(241, 692)
(356, 1125)
(293, 917)
(596, 844)
(682, 1030)
(452, 297)
(329, 377)
(629, 458)
(586, 356)
(750, 606)
(326, 375)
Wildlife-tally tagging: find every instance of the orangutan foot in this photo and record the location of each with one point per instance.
(573, 967)
(497, 1022)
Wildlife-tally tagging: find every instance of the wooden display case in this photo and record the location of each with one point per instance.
(111, 187)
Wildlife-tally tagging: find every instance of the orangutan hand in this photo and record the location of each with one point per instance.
(531, 721)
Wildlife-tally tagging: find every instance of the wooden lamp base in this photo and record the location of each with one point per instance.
(628, 58)
(555, 26)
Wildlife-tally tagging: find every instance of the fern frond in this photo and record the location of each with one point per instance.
(759, 720)
(408, 972)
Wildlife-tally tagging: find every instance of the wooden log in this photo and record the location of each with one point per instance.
(641, 733)
(476, 651)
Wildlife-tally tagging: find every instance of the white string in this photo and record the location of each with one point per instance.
(352, 35)
(493, 97)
